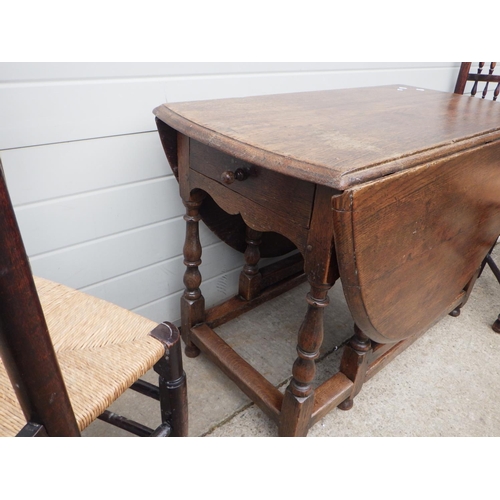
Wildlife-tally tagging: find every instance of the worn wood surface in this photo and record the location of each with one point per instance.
(249, 380)
(321, 269)
(487, 77)
(230, 228)
(275, 281)
(172, 385)
(252, 213)
(462, 77)
(404, 209)
(408, 244)
(25, 345)
(271, 190)
(354, 364)
(329, 395)
(250, 277)
(338, 138)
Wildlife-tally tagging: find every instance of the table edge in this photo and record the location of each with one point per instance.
(318, 174)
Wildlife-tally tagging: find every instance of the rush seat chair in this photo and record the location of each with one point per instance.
(66, 356)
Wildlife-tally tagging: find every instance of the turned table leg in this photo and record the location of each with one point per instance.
(298, 401)
(354, 364)
(322, 271)
(250, 277)
(192, 301)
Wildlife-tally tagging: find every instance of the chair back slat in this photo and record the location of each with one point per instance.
(465, 76)
(25, 345)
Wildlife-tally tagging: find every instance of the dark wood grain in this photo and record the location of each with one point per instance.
(30, 360)
(192, 300)
(337, 138)
(354, 364)
(411, 233)
(330, 394)
(251, 382)
(394, 189)
(229, 228)
(172, 383)
(270, 189)
(126, 424)
(321, 270)
(250, 277)
(278, 281)
(465, 75)
(25, 345)
(252, 213)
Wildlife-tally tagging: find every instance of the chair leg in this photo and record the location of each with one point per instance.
(172, 382)
(494, 269)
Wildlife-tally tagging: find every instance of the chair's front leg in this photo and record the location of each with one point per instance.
(172, 382)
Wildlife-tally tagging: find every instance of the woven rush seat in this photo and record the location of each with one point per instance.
(67, 356)
(101, 348)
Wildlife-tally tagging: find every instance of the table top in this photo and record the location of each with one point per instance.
(339, 138)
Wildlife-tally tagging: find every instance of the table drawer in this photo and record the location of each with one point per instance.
(268, 189)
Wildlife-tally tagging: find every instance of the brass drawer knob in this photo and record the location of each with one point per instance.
(240, 174)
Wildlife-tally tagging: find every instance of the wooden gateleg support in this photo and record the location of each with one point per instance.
(192, 301)
(250, 277)
(354, 364)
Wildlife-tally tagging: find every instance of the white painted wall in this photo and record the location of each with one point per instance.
(96, 201)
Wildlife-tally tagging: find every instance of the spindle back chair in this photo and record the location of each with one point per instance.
(465, 75)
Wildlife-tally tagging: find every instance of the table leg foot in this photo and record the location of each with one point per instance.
(354, 364)
(295, 415)
(496, 325)
(346, 405)
(191, 351)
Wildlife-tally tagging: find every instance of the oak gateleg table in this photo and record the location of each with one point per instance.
(395, 190)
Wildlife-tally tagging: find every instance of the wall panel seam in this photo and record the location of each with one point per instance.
(83, 139)
(154, 79)
(102, 238)
(179, 292)
(165, 261)
(89, 193)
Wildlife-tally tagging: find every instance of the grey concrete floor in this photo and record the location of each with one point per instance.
(446, 384)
